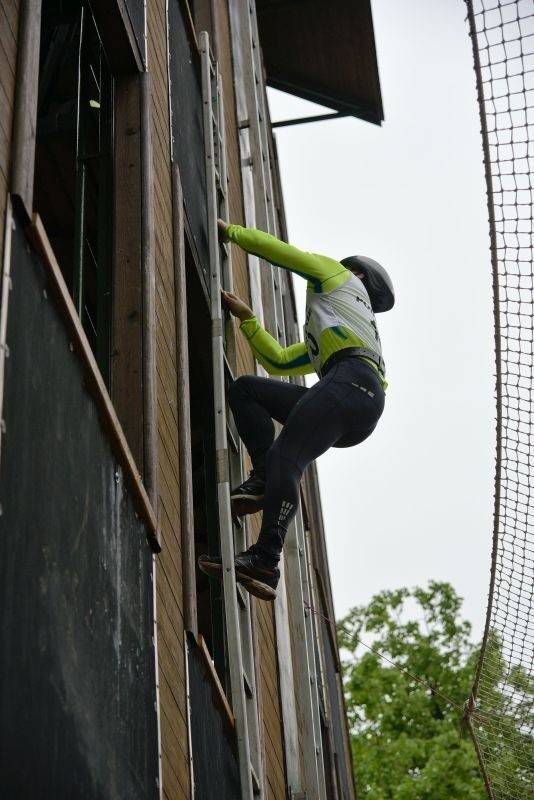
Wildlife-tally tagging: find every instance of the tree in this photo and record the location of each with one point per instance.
(406, 739)
(506, 710)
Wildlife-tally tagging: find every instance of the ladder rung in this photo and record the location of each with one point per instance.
(248, 686)
(231, 436)
(237, 522)
(241, 597)
(228, 368)
(256, 786)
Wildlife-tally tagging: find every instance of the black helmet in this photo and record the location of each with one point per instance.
(376, 281)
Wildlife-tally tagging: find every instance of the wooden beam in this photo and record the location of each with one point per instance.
(216, 684)
(25, 112)
(127, 346)
(5, 289)
(150, 435)
(183, 400)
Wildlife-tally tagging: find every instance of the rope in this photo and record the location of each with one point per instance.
(464, 710)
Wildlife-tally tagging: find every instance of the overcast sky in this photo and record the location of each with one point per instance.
(414, 502)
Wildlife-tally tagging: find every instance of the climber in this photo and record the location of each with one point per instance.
(342, 345)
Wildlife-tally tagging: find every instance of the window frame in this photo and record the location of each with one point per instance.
(127, 406)
(131, 383)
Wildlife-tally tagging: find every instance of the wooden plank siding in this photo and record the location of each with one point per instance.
(169, 589)
(9, 21)
(171, 608)
(169, 594)
(270, 693)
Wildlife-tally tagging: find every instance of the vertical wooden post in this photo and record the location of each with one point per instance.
(5, 288)
(25, 112)
(150, 438)
(183, 399)
(127, 373)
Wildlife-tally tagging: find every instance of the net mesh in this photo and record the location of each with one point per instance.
(500, 713)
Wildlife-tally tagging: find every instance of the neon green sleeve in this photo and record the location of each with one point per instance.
(277, 360)
(315, 268)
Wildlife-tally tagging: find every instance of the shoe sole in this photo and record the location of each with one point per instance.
(211, 569)
(257, 588)
(245, 504)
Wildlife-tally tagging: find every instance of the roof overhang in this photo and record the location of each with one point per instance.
(323, 51)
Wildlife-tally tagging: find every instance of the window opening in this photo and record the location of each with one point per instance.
(73, 190)
(210, 597)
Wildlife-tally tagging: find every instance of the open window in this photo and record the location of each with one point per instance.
(88, 188)
(74, 163)
(209, 592)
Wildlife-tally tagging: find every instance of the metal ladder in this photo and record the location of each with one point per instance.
(253, 117)
(228, 460)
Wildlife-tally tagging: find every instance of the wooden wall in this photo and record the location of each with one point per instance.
(169, 584)
(9, 24)
(169, 607)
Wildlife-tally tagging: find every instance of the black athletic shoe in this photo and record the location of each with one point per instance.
(258, 579)
(248, 498)
(250, 572)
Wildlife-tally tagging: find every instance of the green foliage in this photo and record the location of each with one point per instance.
(506, 703)
(406, 739)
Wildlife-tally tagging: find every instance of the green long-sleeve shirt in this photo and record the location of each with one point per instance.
(338, 309)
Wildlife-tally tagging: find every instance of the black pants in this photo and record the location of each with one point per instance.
(341, 410)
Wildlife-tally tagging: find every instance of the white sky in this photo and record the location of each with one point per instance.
(414, 502)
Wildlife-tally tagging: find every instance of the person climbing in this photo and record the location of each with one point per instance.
(342, 345)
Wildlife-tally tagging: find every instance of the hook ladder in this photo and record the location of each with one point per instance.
(294, 626)
(228, 461)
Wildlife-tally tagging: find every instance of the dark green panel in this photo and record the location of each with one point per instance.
(215, 765)
(77, 674)
(188, 129)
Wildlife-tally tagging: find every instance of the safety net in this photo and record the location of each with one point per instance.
(500, 713)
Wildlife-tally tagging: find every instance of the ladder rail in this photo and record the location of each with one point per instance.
(236, 603)
(240, 543)
(261, 162)
(221, 444)
(253, 118)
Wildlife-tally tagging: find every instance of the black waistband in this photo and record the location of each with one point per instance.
(354, 352)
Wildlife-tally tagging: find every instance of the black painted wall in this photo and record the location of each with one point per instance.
(77, 670)
(216, 772)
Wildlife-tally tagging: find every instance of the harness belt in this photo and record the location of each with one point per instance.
(354, 352)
